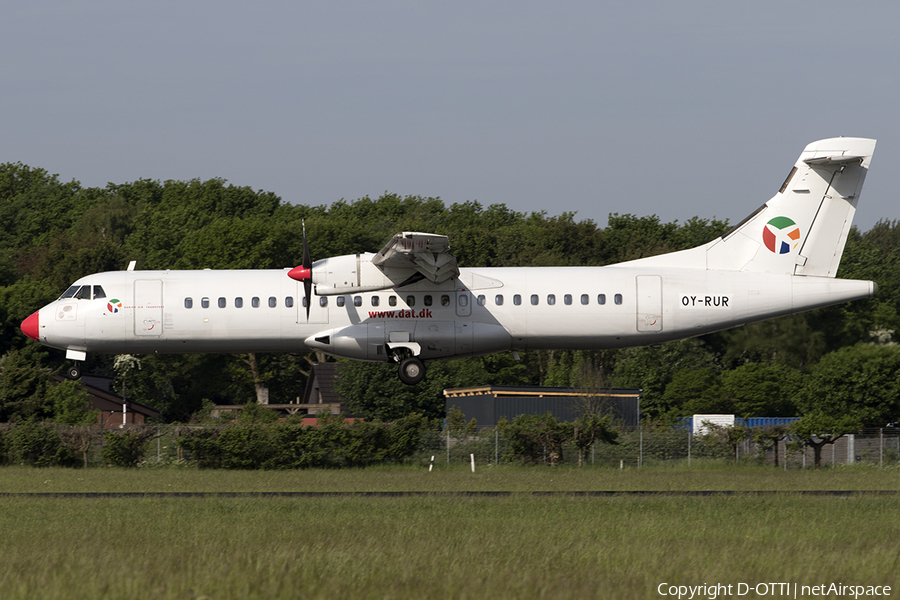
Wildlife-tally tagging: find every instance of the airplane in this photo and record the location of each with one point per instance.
(411, 302)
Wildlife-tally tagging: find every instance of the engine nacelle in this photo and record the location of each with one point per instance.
(354, 273)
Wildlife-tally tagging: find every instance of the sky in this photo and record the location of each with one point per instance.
(678, 109)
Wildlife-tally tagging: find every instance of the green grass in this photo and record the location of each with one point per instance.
(519, 546)
(710, 476)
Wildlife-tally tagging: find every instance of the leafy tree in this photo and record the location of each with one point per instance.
(23, 383)
(727, 435)
(792, 341)
(652, 369)
(768, 437)
(696, 391)
(818, 430)
(862, 381)
(456, 423)
(761, 390)
(71, 404)
(589, 429)
(536, 439)
(374, 391)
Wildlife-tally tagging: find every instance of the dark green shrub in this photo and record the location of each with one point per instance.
(123, 449)
(39, 445)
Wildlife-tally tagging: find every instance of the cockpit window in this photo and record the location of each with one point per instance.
(70, 292)
(84, 293)
(98, 292)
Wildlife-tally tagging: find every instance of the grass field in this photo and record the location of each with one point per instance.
(518, 546)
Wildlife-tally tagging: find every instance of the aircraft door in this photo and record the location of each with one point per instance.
(148, 307)
(649, 303)
(463, 304)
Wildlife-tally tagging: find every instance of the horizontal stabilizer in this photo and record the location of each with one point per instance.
(837, 160)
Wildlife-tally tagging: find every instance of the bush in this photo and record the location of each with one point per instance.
(4, 444)
(535, 439)
(332, 443)
(39, 445)
(123, 449)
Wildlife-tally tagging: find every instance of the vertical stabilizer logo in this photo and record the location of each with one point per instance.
(781, 235)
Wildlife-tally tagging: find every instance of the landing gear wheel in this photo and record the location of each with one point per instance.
(73, 372)
(411, 371)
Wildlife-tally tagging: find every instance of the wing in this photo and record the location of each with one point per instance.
(427, 253)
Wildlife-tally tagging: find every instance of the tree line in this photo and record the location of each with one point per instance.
(837, 360)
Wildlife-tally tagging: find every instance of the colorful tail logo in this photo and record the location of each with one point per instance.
(781, 235)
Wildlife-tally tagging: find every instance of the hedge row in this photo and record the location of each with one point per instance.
(334, 442)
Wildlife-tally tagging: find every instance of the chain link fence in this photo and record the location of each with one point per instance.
(163, 446)
(658, 445)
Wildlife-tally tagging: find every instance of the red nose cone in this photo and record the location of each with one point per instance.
(30, 326)
(300, 274)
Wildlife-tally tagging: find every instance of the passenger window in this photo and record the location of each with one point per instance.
(98, 292)
(189, 303)
(464, 300)
(567, 299)
(376, 300)
(323, 301)
(254, 302)
(273, 302)
(517, 299)
(204, 302)
(585, 299)
(551, 299)
(480, 300)
(392, 300)
(341, 301)
(427, 300)
(534, 299)
(239, 302)
(445, 300)
(289, 301)
(601, 298)
(357, 300)
(410, 301)
(498, 299)
(618, 298)
(222, 302)
(84, 293)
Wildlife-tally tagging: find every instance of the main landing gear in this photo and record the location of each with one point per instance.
(411, 370)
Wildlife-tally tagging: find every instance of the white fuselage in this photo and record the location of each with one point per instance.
(485, 310)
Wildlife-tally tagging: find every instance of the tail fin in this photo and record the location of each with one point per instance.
(803, 228)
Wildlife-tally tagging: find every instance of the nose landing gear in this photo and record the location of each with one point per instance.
(74, 371)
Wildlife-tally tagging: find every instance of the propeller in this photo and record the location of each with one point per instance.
(304, 273)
